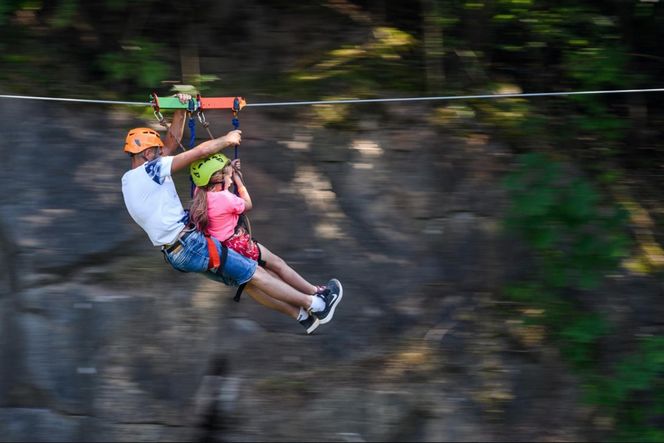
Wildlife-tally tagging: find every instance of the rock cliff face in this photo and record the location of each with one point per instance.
(101, 340)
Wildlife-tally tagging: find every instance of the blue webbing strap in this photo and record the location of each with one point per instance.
(192, 132)
(236, 125)
(192, 140)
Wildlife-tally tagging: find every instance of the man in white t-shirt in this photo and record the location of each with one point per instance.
(152, 201)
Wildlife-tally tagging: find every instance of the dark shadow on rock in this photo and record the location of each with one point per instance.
(211, 423)
(9, 282)
(10, 350)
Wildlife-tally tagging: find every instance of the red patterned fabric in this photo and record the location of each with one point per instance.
(242, 243)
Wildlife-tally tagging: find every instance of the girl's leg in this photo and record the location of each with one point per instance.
(277, 265)
(272, 303)
(276, 288)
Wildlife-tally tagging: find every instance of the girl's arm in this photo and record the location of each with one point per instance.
(244, 194)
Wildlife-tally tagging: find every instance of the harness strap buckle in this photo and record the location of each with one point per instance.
(215, 261)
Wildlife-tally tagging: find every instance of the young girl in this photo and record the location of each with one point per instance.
(216, 212)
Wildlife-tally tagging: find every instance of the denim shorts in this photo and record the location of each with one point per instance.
(193, 256)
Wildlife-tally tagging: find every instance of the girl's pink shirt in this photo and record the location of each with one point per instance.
(224, 209)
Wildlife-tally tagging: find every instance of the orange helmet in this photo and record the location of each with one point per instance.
(140, 139)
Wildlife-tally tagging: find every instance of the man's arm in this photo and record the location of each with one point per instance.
(205, 149)
(175, 131)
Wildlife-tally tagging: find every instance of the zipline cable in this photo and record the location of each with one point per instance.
(368, 100)
(76, 100)
(454, 97)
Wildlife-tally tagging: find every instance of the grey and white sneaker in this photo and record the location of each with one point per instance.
(332, 296)
(310, 323)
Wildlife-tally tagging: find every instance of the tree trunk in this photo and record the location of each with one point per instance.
(433, 46)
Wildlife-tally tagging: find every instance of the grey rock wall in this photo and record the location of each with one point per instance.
(102, 341)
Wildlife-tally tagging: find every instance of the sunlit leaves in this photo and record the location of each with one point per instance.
(363, 66)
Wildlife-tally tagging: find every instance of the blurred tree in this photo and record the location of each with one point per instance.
(433, 46)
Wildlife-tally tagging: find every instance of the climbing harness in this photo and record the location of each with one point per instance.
(217, 263)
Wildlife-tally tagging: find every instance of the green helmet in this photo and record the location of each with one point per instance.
(202, 170)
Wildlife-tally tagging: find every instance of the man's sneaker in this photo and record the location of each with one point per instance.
(310, 323)
(331, 299)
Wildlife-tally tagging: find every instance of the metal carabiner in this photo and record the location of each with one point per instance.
(159, 117)
(201, 117)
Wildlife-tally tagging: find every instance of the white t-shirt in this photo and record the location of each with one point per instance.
(152, 201)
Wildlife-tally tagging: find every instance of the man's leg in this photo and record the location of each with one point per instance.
(272, 303)
(309, 322)
(239, 270)
(278, 289)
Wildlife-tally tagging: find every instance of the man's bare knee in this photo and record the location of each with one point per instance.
(259, 277)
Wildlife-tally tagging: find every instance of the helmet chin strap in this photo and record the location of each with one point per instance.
(222, 183)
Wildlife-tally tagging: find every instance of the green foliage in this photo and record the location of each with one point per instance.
(634, 393)
(526, 292)
(7, 7)
(81, 45)
(597, 67)
(576, 238)
(514, 119)
(578, 337)
(64, 13)
(556, 45)
(362, 70)
(137, 63)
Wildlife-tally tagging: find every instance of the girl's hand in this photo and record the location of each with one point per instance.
(236, 169)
